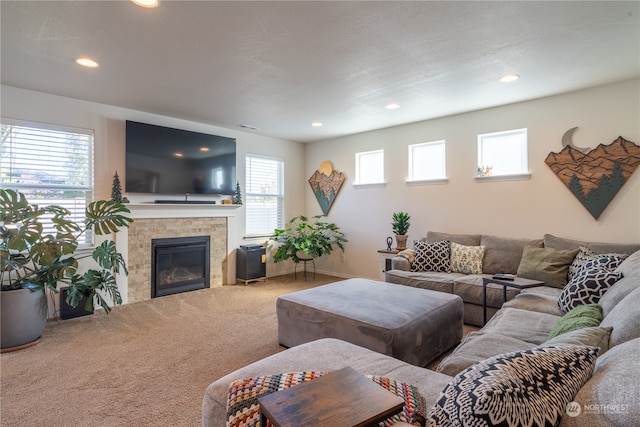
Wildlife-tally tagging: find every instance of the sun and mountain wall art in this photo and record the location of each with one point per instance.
(595, 176)
(326, 183)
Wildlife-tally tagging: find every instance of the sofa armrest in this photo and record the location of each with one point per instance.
(400, 263)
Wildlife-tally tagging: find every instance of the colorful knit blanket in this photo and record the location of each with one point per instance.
(243, 409)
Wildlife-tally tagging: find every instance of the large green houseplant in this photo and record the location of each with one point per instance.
(305, 239)
(36, 260)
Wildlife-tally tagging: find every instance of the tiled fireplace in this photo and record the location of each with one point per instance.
(166, 222)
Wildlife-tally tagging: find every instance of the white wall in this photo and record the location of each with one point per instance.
(108, 123)
(526, 208)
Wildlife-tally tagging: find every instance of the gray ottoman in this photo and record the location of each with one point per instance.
(411, 324)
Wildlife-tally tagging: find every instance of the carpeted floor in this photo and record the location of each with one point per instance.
(145, 364)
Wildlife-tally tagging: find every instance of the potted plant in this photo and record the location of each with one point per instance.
(400, 226)
(307, 240)
(33, 260)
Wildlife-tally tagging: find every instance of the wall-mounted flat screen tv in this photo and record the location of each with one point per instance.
(162, 160)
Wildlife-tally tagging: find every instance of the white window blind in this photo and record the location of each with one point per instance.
(370, 167)
(427, 161)
(264, 204)
(49, 166)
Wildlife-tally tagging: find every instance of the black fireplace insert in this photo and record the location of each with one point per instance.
(179, 264)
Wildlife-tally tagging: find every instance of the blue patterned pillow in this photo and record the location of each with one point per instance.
(604, 261)
(525, 388)
(432, 256)
(586, 287)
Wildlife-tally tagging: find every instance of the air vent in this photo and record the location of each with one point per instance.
(248, 127)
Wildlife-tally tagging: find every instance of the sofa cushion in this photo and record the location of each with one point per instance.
(469, 288)
(542, 299)
(530, 387)
(466, 259)
(530, 326)
(461, 239)
(551, 241)
(610, 397)
(442, 282)
(548, 265)
(476, 347)
(593, 336)
(432, 256)
(580, 317)
(625, 319)
(587, 286)
(630, 281)
(503, 254)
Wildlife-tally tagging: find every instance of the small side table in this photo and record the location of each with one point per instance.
(385, 256)
(343, 398)
(518, 283)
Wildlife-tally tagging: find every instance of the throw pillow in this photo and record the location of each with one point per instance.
(466, 259)
(586, 287)
(548, 265)
(581, 257)
(582, 316)
(605, 261)
(243, 409)
(524, 388)
(432, 256)
(593, 336)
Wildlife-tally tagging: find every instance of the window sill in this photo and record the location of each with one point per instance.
(514, 177)
(438, 181)
(372, 185)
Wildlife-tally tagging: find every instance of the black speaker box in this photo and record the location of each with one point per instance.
(68, 312)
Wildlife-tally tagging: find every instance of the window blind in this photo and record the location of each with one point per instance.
(264, 204)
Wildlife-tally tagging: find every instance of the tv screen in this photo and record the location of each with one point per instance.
(162, 160)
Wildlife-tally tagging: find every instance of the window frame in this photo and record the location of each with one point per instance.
(359, 160)
(38, 132)
(411, 153)
(279, 195)
(523, 158)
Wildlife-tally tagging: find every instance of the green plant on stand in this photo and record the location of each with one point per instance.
(400, 226)
(307, 240)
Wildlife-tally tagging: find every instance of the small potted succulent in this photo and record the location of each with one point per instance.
(33, 260)
(400, 226)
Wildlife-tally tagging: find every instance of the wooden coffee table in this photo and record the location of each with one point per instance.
(342, 398)
(517, 282)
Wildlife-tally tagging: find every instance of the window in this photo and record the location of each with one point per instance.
(427, 161)
(503, 153)
(370, 167)
(50, 166)
(264, 202)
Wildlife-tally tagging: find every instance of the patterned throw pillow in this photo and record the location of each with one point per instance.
(586, 287)
(466, 259)
(581, 257)
(525, 388)
(605, 261)
(243, 409)
(432, 256)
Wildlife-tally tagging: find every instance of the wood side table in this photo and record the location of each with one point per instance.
(385, 256)
(517, 282)
(343, 398)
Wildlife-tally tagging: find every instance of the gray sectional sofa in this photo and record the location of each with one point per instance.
(608, 397)
(501, 255)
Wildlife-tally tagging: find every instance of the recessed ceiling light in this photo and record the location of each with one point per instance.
(510, 78)
(146, 3)
(178, 154)
(316, 124)
(204, 149)
(87, 62)
(392, 106)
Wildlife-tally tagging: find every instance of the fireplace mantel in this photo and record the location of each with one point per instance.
(179, 210)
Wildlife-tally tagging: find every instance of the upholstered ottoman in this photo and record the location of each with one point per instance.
(411, 324)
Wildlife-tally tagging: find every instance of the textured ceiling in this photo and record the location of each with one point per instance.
(279, 66)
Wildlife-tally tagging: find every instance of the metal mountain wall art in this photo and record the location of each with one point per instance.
(326, 183)
(595, 176)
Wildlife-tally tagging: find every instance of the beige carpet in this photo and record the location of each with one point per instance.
(145, 364)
